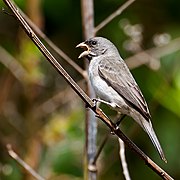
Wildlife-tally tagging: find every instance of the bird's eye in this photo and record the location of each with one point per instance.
(94, 42)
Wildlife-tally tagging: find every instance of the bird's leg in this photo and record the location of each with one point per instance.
(95, 103)
(96, 100)
(113, 105)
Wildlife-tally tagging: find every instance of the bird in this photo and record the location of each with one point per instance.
(115, 86)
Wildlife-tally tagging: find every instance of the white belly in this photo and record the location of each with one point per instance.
(103, 90)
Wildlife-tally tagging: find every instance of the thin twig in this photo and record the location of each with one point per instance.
(23, 163)
(113, 15)
(83, 95)
(123, 160)
(100, 149)
(156, 52)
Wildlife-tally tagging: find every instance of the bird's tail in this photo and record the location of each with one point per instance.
(150, 131)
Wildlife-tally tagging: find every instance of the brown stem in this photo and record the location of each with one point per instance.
(23, 163)
(83, 95)
(113, 15)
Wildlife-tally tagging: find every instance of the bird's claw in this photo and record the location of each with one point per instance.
(95, 100)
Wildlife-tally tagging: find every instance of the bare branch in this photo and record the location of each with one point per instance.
(46, 53)
(156, 52)
(23, 163)
(113, 15)
(83, 95)
(123, 160)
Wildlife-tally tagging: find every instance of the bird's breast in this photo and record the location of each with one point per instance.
(101, 88)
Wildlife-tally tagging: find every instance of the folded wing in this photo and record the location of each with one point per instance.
(117, 75)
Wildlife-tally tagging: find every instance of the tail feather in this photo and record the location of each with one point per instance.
(150, 131)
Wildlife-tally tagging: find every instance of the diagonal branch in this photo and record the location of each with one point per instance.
(156, 52)
(83, 95)
(113, 15)
(23, 163)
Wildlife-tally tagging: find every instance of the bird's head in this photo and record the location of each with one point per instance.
(94, 47)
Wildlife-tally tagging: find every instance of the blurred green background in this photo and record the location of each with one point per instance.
(43, 119)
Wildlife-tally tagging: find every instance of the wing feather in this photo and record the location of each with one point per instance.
(117, 75)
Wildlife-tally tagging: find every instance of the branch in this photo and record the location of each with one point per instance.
(23, 163)
(156, 52)
(123, 159)
(46, 53)
(113, 15)
(83, 95)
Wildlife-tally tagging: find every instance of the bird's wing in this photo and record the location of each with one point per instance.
(117, 75)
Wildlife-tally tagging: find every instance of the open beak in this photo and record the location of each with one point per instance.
(86, 49)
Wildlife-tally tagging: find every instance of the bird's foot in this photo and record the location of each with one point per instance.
(94, 106)
(96, 100)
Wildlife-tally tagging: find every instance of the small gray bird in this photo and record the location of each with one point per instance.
(115, 86)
